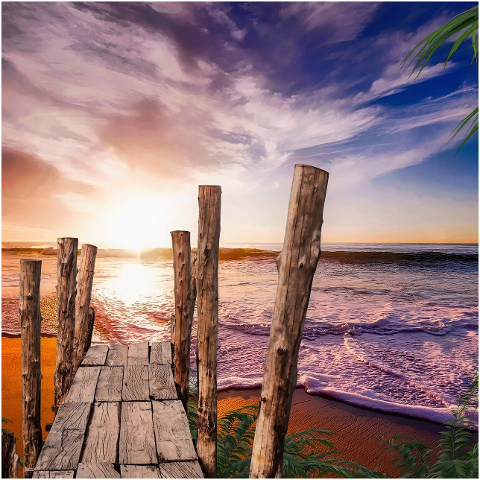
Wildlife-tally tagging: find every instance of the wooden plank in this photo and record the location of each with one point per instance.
(84, 385)
(135, 383)
(138, 354)
(61, 450)
(162, 386)
(161, 353)
(53, 474)
(137, 445)
(72, 416)
(172, 435)
(180, 470)
(110, 384)
(97, 470)
(96, 355)
(117, 355)
(102, 435)
(139, 471)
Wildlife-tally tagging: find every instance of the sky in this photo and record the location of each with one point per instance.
(114, 113)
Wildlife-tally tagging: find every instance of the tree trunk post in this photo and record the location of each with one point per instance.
(9, 455)
(83, 317)
(30, 318)
(296, 263)
(182, 322)
(66, 293)
(207, 325)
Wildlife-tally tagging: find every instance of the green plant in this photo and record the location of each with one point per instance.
(5, 420)
(458, 453)
(463, 27)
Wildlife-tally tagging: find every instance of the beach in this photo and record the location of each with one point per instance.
(356, 431)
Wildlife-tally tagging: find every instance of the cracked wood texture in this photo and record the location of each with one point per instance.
(296, 263)
(9, 455)
(138, 354)
(109, 385)
(66, 293)
(182, 320)
(84, 385)
(117, 355)
(207, 325)
(161, 353)
(162, 386)
(30, 318)
(83, 318)
(135, 383)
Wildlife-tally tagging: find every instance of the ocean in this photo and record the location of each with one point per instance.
(390, 327)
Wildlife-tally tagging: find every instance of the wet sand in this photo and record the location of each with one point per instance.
(356, 431)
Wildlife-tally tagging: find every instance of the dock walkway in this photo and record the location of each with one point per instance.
(121, 419)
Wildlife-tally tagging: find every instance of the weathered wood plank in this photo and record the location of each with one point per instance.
(96, 355)
(161, 353)
(84, 385)
(135, 383)
(72, 416)
(110, 384)
(139, 471)
(180, 470)
(53, 474)
(97, 470)
(101, 440)
(138, 354)
(61, 450)
(137, 444)
(117, 355)
(172, 435)
(296, 263)
(162, 386)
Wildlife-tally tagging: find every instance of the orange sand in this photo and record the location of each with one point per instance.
(356, 431)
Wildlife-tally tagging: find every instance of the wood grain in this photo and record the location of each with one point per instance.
(138, 354)
(139, 471)
(102, 436)
(296, 263)
(53, 474)
(161, 353)
(30, 318)
(96, 355)
(97, 470)
(84, 385)
(162, 386)
(180, 470)
(9, 455)
(72, 416)
(110, 384)
(135, 383)
(137, 445)
(117, 355)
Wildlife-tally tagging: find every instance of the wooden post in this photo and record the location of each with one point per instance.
(183, 311)
(207, 327)
(296, 266)
(83, 316)
(9, 455)
(66, 293)
(30, 318)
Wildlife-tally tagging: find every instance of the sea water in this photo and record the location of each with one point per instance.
(392, 327)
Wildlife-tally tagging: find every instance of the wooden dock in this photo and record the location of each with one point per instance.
(121, 419)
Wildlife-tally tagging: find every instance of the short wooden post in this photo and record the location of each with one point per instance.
(83, 317)
(182, 319)
(9, 455)
(296, 263)
(66, 293)
(207, 327)
(30, 318)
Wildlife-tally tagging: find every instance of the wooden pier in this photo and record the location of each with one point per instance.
(121, 419)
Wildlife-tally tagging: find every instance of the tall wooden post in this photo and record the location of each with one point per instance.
(207, 328)
(83, 316)
(30, 318)
(183, 312)
(66, 293)
(296, 263)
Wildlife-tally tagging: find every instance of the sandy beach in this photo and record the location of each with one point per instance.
(356, 432)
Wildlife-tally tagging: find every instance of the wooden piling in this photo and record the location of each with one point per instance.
(66, 292)
(207, 328)
(30, 318)
(83, 314)
(296, 263)
(183, 313)
(9, 455)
